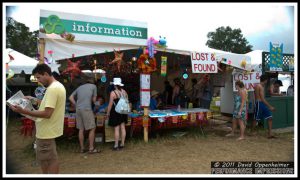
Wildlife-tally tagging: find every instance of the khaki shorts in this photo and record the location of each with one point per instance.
(85, 119)
(46, 149)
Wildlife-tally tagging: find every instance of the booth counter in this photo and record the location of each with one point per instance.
(283, 116)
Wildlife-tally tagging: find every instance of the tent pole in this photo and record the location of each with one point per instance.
(42, 50)
(145, 124)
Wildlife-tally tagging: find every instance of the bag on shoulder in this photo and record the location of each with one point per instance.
(122, 106)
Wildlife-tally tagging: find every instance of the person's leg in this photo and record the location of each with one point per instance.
(89, 124)
(242, 129)
(234, 126)
(123, 134)
(117, 136)
(81, 139)
(47, 156)
(53, 166)
(80, 127)
(44, 167)
(270, 128)
(91, 139)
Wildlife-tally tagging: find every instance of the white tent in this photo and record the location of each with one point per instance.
(20, 61)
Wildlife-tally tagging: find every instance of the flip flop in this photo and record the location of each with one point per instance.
(229, 135)
(240, 139)
(83, 151)
(94, 151)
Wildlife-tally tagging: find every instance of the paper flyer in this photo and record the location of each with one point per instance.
(18, 99)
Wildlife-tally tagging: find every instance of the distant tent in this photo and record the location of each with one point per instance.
(19, 62)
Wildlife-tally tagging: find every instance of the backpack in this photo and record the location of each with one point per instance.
(122, 106)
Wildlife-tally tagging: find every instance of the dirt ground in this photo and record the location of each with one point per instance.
(191, 153)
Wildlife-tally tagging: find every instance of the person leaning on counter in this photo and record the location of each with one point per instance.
(275, 88)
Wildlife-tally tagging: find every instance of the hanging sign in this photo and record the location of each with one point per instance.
(249, 79)
(145, 89)
(163, 66)
(276, 57)
(203, 62)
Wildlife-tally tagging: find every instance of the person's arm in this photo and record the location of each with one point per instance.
(111, 100)
(262, 97)
(94, 94)
(175, 92)
(40, 114)
(94, 99)
(34, 101)
(72, 100)
(272, 93)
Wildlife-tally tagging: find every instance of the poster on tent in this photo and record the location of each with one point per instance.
(249, 79)
(203, 62)
(145, 89)
(276, 57)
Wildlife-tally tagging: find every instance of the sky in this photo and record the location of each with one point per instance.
(185, 25)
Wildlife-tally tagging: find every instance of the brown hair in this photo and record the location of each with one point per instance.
(239, 84)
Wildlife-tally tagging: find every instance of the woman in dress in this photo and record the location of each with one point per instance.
(240, 110)
(115, 119)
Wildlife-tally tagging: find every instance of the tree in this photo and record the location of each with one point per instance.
(227, 39)
(19, 38)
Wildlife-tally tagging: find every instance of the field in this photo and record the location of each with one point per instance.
(175, 151)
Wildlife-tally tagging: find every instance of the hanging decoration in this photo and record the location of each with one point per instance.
(146, 64)
(243, 63)
(45, 58)
(151, 47)
(162, 42)
(68, 36)
(50, 52)
(103, 78)
(11, 57)
(163, 66)
(185, 74)
(10, 74)
(73, 69)
(95, 67)
(118, 59)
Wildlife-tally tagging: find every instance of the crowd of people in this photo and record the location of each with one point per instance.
(87, 103)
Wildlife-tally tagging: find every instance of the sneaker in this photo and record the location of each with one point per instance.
(121, 147)
(115, 149)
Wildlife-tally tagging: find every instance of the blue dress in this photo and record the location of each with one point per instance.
(236, 107)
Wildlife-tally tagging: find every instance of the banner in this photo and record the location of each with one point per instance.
(163, 66)
(249, 79)
(276, 57)
(59, 25)
(203, 62)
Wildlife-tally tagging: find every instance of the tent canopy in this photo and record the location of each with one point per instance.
(20, 62)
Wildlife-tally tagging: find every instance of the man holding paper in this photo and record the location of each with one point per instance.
(50, 118)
